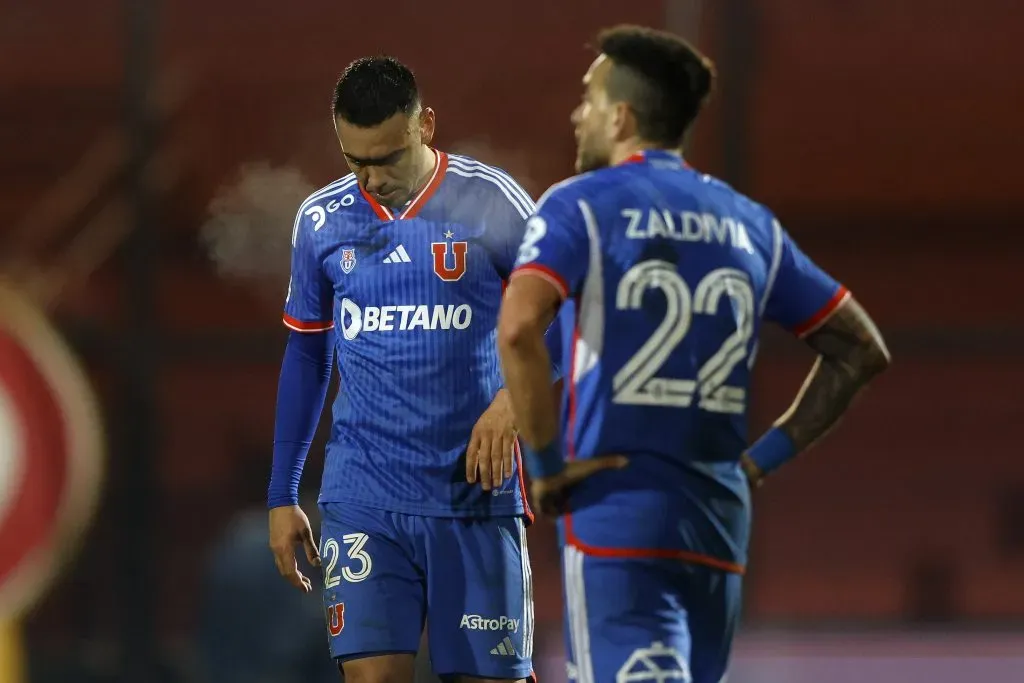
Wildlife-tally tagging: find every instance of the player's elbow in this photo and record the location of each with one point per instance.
(850, 342)
(516, 331)
(876, 354)
(864, 361)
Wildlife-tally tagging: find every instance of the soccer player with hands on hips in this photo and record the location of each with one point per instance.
(662, 277)
(397, 275)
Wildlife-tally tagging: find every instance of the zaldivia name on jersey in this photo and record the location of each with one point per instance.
(358, 319)
(687, 226)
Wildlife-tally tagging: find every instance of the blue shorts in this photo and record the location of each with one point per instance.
(647, 619)
(385, 573)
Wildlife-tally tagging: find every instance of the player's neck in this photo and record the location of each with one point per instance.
(428, 161)
(630, 148)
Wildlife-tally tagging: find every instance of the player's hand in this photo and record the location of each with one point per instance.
(489, 455)
(289, 527)
(550, 494)
(755, 477)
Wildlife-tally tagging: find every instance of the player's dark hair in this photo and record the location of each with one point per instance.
(373, 89)
(663, 79)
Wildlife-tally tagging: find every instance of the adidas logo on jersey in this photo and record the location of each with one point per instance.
(505, 648)
(399, 255)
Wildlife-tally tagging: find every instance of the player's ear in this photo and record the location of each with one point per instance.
(622, 122)
(427, 123)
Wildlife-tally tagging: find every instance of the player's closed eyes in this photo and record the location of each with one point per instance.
(389, 160)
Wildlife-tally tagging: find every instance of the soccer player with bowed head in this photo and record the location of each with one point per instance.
(668, 275)
(397, 272)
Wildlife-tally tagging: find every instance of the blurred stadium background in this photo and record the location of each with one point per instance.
(152, 156)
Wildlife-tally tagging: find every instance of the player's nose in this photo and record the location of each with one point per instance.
(374, 180)
(574, 118)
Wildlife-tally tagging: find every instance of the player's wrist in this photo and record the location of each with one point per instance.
(502, 399)
(280, 499)
(750, 469)
(543, 462)
(771, 451)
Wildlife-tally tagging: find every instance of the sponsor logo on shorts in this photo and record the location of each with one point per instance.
(336, 619)
(475, 622)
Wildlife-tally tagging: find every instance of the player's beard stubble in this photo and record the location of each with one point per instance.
(422, 172)
(590, 156)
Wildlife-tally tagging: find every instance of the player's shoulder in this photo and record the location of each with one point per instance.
(589, 192)
(327, 203)
(489, 180)
(569, 191)
(734, 199)
(477, 171)
(719, 197)
(338, 195)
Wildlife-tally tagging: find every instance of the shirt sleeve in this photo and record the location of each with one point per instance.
(800, 296)
(301, 390)
(309, 304)
(510, 207)
(556, 243)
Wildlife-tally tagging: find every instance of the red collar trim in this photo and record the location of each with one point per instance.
(641, 157)
(413, 208)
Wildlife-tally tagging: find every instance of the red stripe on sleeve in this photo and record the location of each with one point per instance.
(823, 314)
(305, 326)
(545, 273)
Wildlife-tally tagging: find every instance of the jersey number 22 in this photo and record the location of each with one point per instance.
(637, 383)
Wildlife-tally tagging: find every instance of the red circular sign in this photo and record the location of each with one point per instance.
(51, 447)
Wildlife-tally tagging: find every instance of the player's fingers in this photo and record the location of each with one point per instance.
(472, 453)
(483, 463)
(289, 569)
(498, 444)
(549, 502)
(280, 559)
(581, 469)
(554, 505)
(297, 579)
(508, 450)
(309, 543)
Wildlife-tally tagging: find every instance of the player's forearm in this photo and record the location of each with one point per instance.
(553, 344)
(851, 353)
(527, 368)
(302, 388)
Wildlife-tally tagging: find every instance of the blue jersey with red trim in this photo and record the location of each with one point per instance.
(412, 297)
(668, 275)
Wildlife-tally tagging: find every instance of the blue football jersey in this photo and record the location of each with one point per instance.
(667, 275)
(413, 299)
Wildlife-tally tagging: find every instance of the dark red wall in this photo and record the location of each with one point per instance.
(885, 134)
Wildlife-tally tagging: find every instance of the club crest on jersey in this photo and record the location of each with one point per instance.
(451, 269)
(348, 260)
